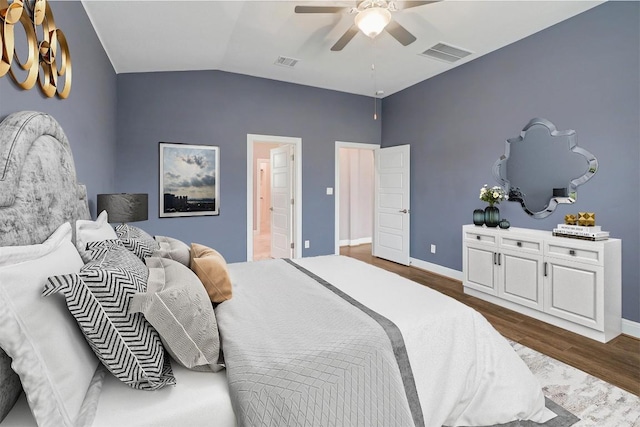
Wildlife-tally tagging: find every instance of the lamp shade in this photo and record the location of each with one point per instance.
(372, 21)
(124, 207)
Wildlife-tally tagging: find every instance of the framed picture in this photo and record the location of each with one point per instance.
(189, 177)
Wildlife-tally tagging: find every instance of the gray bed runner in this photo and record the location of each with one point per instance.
(395, 337)
(331, 362)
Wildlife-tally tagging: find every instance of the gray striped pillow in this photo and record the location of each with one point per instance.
(178, 306)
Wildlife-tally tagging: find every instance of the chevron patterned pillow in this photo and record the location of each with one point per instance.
(137, 240)
(98, 250)
(99, 298)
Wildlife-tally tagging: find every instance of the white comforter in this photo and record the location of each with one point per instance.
(466, 373)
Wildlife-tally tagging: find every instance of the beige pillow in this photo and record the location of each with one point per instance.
(178, 307)
(211, 269)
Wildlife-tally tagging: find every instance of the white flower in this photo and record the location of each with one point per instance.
(493, 194)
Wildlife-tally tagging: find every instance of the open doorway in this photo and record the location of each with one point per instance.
(262, 206)
(354, 194)
(274, 185)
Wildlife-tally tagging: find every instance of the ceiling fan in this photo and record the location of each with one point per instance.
(372, 17)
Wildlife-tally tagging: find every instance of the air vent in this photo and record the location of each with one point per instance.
(446, 53)
(284, 61)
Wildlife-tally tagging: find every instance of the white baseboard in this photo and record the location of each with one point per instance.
(435, 268)
(355, 242)
(630, 327)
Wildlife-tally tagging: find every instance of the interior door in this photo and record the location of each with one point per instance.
(282, 192)
(391, 216)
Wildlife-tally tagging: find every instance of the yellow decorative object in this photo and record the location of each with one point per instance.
(570, 219)
(47, 60)
(586, 219)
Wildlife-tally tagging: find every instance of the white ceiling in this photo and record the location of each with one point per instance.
(247, 37)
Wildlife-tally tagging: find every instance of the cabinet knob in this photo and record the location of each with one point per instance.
(477, 237)
(572, 252)
(519, 244)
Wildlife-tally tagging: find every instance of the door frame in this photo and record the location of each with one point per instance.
(297, 212)
(336, 188)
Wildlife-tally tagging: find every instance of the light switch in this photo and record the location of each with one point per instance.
(329, 191)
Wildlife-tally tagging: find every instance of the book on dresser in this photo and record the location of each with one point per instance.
(592, 233)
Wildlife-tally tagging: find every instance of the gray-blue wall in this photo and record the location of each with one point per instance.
(219, 108)
(581, 74)
(88, 116)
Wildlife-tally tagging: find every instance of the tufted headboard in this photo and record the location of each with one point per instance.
(38, 192)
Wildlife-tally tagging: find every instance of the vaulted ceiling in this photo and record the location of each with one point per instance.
(248, 37)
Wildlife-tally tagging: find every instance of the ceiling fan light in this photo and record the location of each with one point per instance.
(372, 21)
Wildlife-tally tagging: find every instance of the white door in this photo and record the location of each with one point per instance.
(391, 216)
(282, 192)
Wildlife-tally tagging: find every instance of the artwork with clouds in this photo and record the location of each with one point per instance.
(189, 180)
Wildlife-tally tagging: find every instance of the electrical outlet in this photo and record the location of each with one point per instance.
(433, 249)
(306, 244)
(329, 191)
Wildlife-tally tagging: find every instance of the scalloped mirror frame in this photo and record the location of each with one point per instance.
(572, 190)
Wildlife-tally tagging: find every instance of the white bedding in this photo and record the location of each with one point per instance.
(198, 399)
(465, 372)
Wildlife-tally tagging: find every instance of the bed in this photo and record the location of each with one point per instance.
(315, 341)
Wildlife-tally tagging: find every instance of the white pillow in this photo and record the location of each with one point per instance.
(173, 249)
(49, 352)
(93, 231)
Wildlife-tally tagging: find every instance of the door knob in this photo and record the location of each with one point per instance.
(404, 211)
(271, 208)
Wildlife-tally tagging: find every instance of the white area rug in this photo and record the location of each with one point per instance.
(596, 402)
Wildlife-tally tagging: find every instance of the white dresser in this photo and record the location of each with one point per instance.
(574, 284)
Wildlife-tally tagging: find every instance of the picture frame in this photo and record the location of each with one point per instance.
(189, 180)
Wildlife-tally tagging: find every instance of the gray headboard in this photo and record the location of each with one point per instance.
(38, 193)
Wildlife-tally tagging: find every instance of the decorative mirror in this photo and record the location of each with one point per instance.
(543, 167)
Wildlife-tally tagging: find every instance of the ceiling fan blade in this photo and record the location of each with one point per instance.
(319, 9)
(410, 4)
(346, 38)
(400, 33)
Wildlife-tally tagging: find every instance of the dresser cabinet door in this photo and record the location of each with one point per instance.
(480, 271)
(521, 278)
(575, 291)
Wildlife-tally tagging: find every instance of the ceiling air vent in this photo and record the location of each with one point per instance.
(284, 61)
(446, 53)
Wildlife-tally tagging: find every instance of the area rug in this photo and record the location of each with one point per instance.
(595, 402)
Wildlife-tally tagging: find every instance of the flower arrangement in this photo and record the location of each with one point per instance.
(493, 195)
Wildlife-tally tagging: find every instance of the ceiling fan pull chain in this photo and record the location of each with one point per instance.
(375, 92)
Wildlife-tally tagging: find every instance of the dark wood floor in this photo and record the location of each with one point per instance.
(617, 361)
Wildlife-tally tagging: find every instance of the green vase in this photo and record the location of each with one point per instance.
(504, 224)
(478, 217)
(491, 216)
